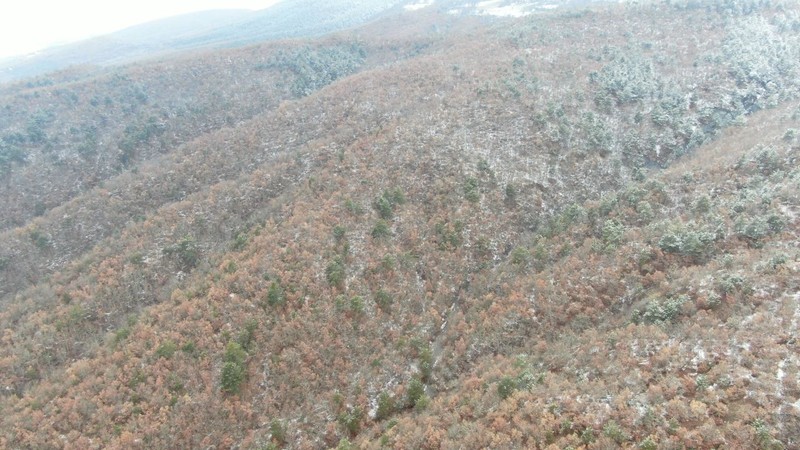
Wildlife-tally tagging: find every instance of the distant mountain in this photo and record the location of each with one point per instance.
(129, 44)
(232, 28)
(217, 28)
(295, 18)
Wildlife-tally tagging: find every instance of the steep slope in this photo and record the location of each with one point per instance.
(438, 250)
(664, 315)
(118, 150)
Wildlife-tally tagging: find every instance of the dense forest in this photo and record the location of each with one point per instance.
(576, 229)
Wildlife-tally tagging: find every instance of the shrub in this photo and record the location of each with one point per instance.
(520, 256)
(607, 204)
(388, 201)
(341, 303)
(660, 312)
(701, 383)
(138, 377)
(166, 349)
(702, 205)
(573, 214)
(10, 155)
(731, 283)
(120, 335)
(239, 242)
(137, 135)
(756, 229)
(768, 162)
(351, 420)
(395, 196)
(422, 402)
(35, 129)
(384, 300)
(335, 272)
(353, 207)
(41, 241)
(508, 385)
(380, 230)
(449, 235)
(386, 406)
(587, 436)
(233, 368)
(232, 377)
(357, 305)
(471, 191)
(235, 353)
(189, 348)
(245, 338)
(174, 383)
(384, 208)
(388, 263)
(137, 259)
(505, 387)
(648, 444)
(612, 233)
(777, 261)
(339, 233)
(275, 295)
(278, 431)
(344, 444)
(775, 223)
(645, 211)
(511, 193)
(764, 436)
(615, 432)
(695, 244)
(185, 251)
(526, 379)
(231, 267)
(415, 391)
(425, 363)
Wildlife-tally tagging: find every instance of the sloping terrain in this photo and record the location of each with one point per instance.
(571, 230)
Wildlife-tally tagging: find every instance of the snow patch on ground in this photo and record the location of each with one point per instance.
(788, 212)
(497, 8)
(502, 8)
(699, 355)
(779, 376)
(416, 6)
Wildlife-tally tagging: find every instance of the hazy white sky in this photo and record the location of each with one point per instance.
(30, 25)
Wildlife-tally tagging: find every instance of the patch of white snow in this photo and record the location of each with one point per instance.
(416, 6)
(496, 8)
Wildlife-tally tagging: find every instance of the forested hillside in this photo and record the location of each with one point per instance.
(574, 229)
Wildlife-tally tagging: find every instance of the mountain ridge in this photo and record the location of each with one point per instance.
(199, 30)
(236, 28)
